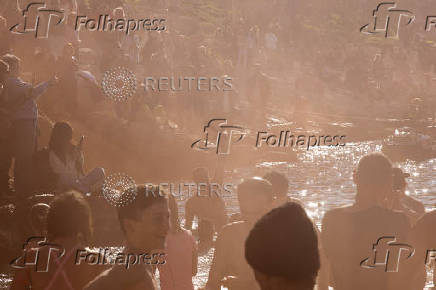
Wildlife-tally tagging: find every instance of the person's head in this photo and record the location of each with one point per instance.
(145, 221)
(279, 183)
(200, 175)
(399, 182)
(282, 249)
(373, 177)
(69, 217)
(38, 218)
(60, 139)
(255, 196)
(14, 64)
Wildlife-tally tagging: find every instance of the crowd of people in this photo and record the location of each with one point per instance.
(271, 244)
(50, 96)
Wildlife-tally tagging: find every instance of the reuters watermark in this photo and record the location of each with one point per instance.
(190, 83)
(193, 189)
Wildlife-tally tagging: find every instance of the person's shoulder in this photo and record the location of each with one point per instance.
(233, 227)
(336, 213)
(427, 219)
(186, 234)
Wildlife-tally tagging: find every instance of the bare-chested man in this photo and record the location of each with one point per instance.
(208, 207)
(229, 267)
(351, 234)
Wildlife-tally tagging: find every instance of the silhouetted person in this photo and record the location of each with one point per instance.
(208, 207)
(69, 226)
(182, 255)
(424, 241)
(229, 266)
(145, 223)
(280, 186)
(349, 233)
(402, 202)
(66, 68)
(66, 161)
(21, 101)
(282, 249)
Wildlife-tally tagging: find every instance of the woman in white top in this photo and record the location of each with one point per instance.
(66, 160)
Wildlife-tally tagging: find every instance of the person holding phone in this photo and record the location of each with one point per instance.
(66, 161)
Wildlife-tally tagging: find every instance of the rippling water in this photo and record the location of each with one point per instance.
(322, 180)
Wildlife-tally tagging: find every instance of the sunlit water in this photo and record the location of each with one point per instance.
(322, 180)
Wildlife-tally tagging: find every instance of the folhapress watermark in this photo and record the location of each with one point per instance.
(387, 20)
(102, 257)
(219, 136)
(33, 256)
(386, 252)
(105, 23)
(37, 18)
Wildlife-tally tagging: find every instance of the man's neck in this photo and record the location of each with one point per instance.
(367, 199)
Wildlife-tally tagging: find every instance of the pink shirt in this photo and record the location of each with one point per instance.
(176, 273)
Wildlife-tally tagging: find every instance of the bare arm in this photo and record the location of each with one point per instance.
(217, 269)
(189, 215)
(195, 259)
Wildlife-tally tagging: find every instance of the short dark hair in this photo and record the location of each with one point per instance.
(68, 216)
(147, 195)
(374, 170)
(255, 186)
(284, 243)
(399, 178)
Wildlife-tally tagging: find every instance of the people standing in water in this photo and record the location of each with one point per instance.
(182, 255)
(229, 267)
(209, 208)
(399, 201)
